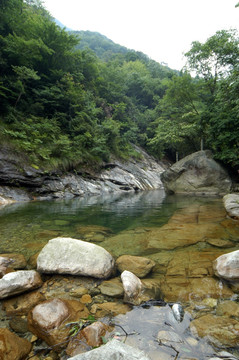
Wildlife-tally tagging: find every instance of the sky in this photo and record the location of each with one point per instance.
(162, 29)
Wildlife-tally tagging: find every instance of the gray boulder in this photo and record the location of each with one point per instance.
(227, 266)
(76, 257)
(197, 173)
(114, 349)
(18, 282)
(231, 204)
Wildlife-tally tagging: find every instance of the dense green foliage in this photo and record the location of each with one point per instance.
(73, 98)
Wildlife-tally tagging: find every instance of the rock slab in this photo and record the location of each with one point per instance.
(18, 282)
(114, 349)
(75, 257)
(140, 266)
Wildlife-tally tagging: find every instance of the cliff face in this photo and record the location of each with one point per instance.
(21, 182)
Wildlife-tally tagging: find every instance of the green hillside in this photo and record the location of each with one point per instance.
(73, 98)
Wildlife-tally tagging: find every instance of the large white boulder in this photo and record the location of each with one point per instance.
(227, 266)
(18, 282)
(114, 349)
(76, 257)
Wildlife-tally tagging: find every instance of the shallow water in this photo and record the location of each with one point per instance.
(25, 227)
(182, 234)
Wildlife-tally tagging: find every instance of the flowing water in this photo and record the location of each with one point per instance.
(182, 234)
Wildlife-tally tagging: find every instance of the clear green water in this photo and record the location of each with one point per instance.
(25, 227)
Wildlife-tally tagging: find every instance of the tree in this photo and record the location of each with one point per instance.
(214, 59)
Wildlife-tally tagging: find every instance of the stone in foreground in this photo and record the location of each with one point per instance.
(132, 287)
(75, 257)
(114, 349)
(18, 282)
(231, 204)
(227, 266)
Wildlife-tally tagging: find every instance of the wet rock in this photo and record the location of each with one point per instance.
(231, 204)
(18, 282)
(184, 289)
(220, 330)
(114, 349)
(12, 346)
(89, 337)
(18, 261)
(140, 266)
(49, 320)
(228, 308)
(19, 324)
(132, 288)
(93, 233)
(5, 266)
(197, 173)
(109, 309)
(75, 257)
(227, 266)
(22, 304)
(112, 287)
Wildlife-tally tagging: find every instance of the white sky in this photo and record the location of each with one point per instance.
(162, 29)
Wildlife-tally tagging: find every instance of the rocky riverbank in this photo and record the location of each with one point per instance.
(21, 182)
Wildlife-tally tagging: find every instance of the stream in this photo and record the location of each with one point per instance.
(182, 234)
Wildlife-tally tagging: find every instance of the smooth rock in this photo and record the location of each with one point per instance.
(49, 320)
(227, 266)
(114, 349)
(75, 257)
(140, 266)
(12, 347)
(231, 204)
(132, 287)
(18, 282)
(197, 173)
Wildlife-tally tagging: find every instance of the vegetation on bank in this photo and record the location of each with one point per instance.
(66, 105)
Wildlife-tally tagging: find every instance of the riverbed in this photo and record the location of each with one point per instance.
(182, 234)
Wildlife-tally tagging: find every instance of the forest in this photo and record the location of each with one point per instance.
(69, 99)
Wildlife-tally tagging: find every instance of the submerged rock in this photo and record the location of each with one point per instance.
(227, 266)
(197, 173)
(114, 349)
(18, 282)
(220, 330)
(140, 266)
(75, 257)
